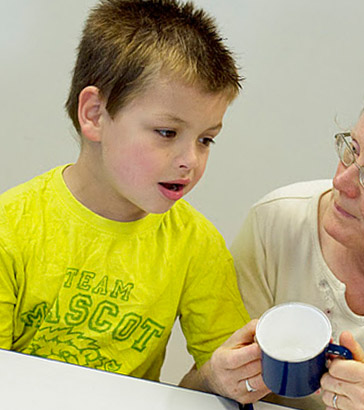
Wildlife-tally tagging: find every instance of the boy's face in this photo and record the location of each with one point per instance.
(155, 149)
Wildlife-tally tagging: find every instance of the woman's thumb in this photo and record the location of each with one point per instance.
(347, 340)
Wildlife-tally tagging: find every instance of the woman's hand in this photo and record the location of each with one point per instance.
(236, 361)
(343, 385)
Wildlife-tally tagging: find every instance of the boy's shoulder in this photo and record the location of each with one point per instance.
(28, 190)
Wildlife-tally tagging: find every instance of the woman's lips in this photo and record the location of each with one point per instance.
(342, 211)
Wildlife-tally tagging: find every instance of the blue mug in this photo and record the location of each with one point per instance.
(295, 341)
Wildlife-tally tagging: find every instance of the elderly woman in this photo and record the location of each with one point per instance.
(305, 242)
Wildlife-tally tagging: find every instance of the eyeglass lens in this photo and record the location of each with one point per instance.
(345, 153)
(347, 156)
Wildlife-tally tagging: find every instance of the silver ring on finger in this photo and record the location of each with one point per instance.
(334, 401)
(249, 388)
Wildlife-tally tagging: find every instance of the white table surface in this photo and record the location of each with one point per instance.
(33, 383)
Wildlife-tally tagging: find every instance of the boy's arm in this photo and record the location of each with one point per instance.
(234, 362)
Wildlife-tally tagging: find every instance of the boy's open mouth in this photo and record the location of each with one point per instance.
(172, 187)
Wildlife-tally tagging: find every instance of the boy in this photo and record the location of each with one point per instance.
(98, 258)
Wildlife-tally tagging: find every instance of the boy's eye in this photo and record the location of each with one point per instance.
(207, 141)
(167, 133)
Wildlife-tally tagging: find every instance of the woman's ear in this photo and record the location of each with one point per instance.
(90, 109)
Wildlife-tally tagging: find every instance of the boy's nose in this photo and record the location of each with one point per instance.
(188, 157)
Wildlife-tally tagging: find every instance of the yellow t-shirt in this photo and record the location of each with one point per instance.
(80, 288)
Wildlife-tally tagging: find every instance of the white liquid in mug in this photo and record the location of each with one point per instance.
(293, 353)
(293, 332)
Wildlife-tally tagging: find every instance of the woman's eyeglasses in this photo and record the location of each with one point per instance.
(347, 153)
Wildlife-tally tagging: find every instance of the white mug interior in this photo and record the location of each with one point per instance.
(293, 332)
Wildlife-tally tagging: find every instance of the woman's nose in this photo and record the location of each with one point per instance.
(346, 180)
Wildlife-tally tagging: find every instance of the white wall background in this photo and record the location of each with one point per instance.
(304, 64)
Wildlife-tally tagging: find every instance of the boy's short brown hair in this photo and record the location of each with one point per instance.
(126, 43)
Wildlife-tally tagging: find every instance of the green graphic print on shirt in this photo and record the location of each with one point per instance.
(71, 330)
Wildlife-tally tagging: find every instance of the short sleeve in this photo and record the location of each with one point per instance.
(249, 255)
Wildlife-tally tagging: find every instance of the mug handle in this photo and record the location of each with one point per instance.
(339, 351)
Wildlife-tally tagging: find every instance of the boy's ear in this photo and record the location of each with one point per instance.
(90, 108)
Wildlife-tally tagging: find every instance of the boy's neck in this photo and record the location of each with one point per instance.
(86, 186)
